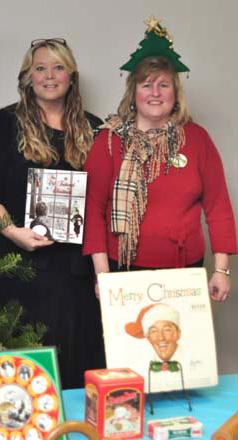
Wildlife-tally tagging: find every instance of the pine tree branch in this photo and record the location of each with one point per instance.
(12, 265)
(18, 335)
(16, 311)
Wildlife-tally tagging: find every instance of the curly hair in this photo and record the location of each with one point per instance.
(34, 138)
(153, 66)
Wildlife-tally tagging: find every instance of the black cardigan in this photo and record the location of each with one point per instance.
(13, 180)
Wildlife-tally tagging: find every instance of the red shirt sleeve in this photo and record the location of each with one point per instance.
(99, 166)
(215, 200)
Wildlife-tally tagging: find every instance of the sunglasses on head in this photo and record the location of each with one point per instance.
(42, 41)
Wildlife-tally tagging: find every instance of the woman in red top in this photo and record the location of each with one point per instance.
(152, 172)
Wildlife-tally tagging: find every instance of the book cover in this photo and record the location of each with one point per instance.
(159, 324)
(55, 204)
(30, 394)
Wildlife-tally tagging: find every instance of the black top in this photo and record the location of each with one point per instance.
(13, 182)
(14, 167)
(62, 293)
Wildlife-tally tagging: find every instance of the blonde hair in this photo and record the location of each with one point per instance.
(153, 66)
(34, 142)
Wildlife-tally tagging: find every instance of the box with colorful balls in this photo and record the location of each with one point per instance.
(30, 394)
(115, 403)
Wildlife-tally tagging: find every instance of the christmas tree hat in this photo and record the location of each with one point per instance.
(157, 42)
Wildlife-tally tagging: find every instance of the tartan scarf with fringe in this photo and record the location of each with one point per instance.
(143, 153)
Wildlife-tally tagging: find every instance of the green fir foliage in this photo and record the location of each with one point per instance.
(12, 265)
(14, 333)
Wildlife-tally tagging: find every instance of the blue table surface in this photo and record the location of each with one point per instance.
(212, 406)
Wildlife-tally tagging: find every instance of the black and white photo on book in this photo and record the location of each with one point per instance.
(55, 204)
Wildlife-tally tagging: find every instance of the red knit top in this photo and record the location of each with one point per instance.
(171, 233)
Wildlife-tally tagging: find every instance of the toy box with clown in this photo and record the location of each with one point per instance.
(115, 403)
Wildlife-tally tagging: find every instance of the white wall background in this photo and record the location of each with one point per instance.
(102, 35)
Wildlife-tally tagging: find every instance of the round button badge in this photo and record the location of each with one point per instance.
(179, 161)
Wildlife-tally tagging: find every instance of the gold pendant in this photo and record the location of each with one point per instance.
(179, 161)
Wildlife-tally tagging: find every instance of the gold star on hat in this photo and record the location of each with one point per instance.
(154, 25)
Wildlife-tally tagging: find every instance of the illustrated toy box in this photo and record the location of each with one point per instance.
(115, 402)
(30, 395)
(174, 428)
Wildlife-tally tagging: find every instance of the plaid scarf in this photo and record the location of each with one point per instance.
(143, 153)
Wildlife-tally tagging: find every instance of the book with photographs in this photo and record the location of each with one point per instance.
(55, 204)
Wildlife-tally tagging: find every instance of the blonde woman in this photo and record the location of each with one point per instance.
(48, 128)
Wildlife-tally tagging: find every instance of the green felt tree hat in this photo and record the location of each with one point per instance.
(157, 42)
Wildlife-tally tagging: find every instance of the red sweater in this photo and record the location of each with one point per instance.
(171, 233)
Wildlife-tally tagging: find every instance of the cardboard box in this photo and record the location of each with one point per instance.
(115, 403)
(174, 428)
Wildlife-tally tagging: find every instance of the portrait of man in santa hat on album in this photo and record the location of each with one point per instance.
(160, 324)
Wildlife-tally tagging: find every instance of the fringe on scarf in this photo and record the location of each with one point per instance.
(143, 154)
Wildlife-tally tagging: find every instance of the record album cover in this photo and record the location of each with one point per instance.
(159, 324)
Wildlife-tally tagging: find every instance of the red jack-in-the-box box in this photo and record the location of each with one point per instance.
(114, 403)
